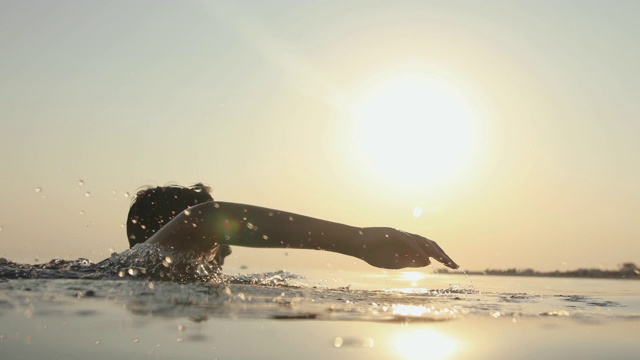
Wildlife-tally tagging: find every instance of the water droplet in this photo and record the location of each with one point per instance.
(270, 213)
(216, 205)
(87, 194)
(338, 342)
(290, 218)
(136, 340)
(187, 212)
(114, 192)
(360, 232)
(167, 261)
(38, 189)
(265, 237)
(121, 273)
(151, 285)
(417, 212)
(80, 182)
(201, 271)
(181, 328)
(97, 342)
(194, 225)
(250, 226)
(126, 194)
(81, 212)
(133, 272)
(144, 227)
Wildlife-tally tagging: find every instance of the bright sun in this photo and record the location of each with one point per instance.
(413, 130)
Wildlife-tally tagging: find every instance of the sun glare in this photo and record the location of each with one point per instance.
(413, 277)
(413, 130)
(425, 343)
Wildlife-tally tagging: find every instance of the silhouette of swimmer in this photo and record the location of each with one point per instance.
(187, 218)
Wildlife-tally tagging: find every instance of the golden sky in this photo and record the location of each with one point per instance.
(504, 130)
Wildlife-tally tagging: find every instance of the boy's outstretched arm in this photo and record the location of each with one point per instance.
(212, 223)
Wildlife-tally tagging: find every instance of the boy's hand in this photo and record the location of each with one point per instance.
(395, 249)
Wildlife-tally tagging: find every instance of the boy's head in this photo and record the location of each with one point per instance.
(153, 207)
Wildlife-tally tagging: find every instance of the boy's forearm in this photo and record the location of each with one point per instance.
(253, 226)
(204, 226)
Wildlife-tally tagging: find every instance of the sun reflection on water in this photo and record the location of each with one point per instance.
(425, 343)
(403, 310)
(410, 310)
(413, 277)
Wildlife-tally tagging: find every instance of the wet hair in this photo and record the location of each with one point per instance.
(153, 207)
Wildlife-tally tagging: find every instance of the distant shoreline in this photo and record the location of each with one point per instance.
(627, 271)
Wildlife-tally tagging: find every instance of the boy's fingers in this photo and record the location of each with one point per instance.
(433, 250)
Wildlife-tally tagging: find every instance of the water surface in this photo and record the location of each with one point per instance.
(282, 314)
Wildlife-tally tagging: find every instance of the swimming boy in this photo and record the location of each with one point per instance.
(189, 219)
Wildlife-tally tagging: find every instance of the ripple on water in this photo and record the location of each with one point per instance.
(198, 291)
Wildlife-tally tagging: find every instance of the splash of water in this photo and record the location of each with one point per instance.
(146, 261)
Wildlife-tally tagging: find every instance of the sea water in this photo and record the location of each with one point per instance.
(78, 310)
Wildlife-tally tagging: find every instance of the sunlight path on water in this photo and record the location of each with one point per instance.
(431, 343)
(277, 314)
